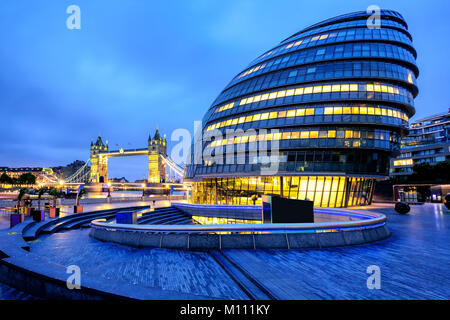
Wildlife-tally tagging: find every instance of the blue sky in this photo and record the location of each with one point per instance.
(136, 65)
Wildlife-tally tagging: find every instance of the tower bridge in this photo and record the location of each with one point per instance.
(159, 164)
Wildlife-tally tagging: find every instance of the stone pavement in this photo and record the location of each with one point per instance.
(413, 261)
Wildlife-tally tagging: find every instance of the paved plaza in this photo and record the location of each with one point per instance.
(413, 263)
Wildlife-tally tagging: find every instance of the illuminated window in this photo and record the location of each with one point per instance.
(348, 134)
(291, 113)
(308, 90)
(403, 162)
(336, 88)
(281, 94)
(410, 80)
(299, 91)
(317, 89)
(290, 92)
(328, 110)
(326, 88)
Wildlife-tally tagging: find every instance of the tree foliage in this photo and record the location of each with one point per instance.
(425, 172)
(25, 178)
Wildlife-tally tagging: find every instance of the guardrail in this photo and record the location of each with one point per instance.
(368, 228)
(236, 228)
(367, 220)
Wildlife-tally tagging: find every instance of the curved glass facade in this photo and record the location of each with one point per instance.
(332, 100)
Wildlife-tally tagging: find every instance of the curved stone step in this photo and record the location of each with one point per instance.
(149, 220)
(79, 218)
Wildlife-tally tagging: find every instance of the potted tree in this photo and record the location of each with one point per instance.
(38, 214)
(54, 211)
(22, 193)
(77, 208)
(18, 216)
(41, 191)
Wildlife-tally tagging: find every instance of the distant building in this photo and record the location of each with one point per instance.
(99, 163)
(428, 141)
(118, 180)
(156, 167)
(17, 172)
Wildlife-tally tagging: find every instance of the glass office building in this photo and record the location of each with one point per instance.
(333, 101)
(428, 141)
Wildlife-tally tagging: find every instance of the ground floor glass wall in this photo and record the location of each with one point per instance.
(325, 191)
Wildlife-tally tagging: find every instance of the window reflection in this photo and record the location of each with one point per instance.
(324, 191)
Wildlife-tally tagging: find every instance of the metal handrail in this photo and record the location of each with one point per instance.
(373, 219)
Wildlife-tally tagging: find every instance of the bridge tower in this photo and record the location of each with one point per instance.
(156, 166)
(99, 163)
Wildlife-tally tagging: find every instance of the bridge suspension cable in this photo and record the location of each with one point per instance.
(175, 167)
(81, 174)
